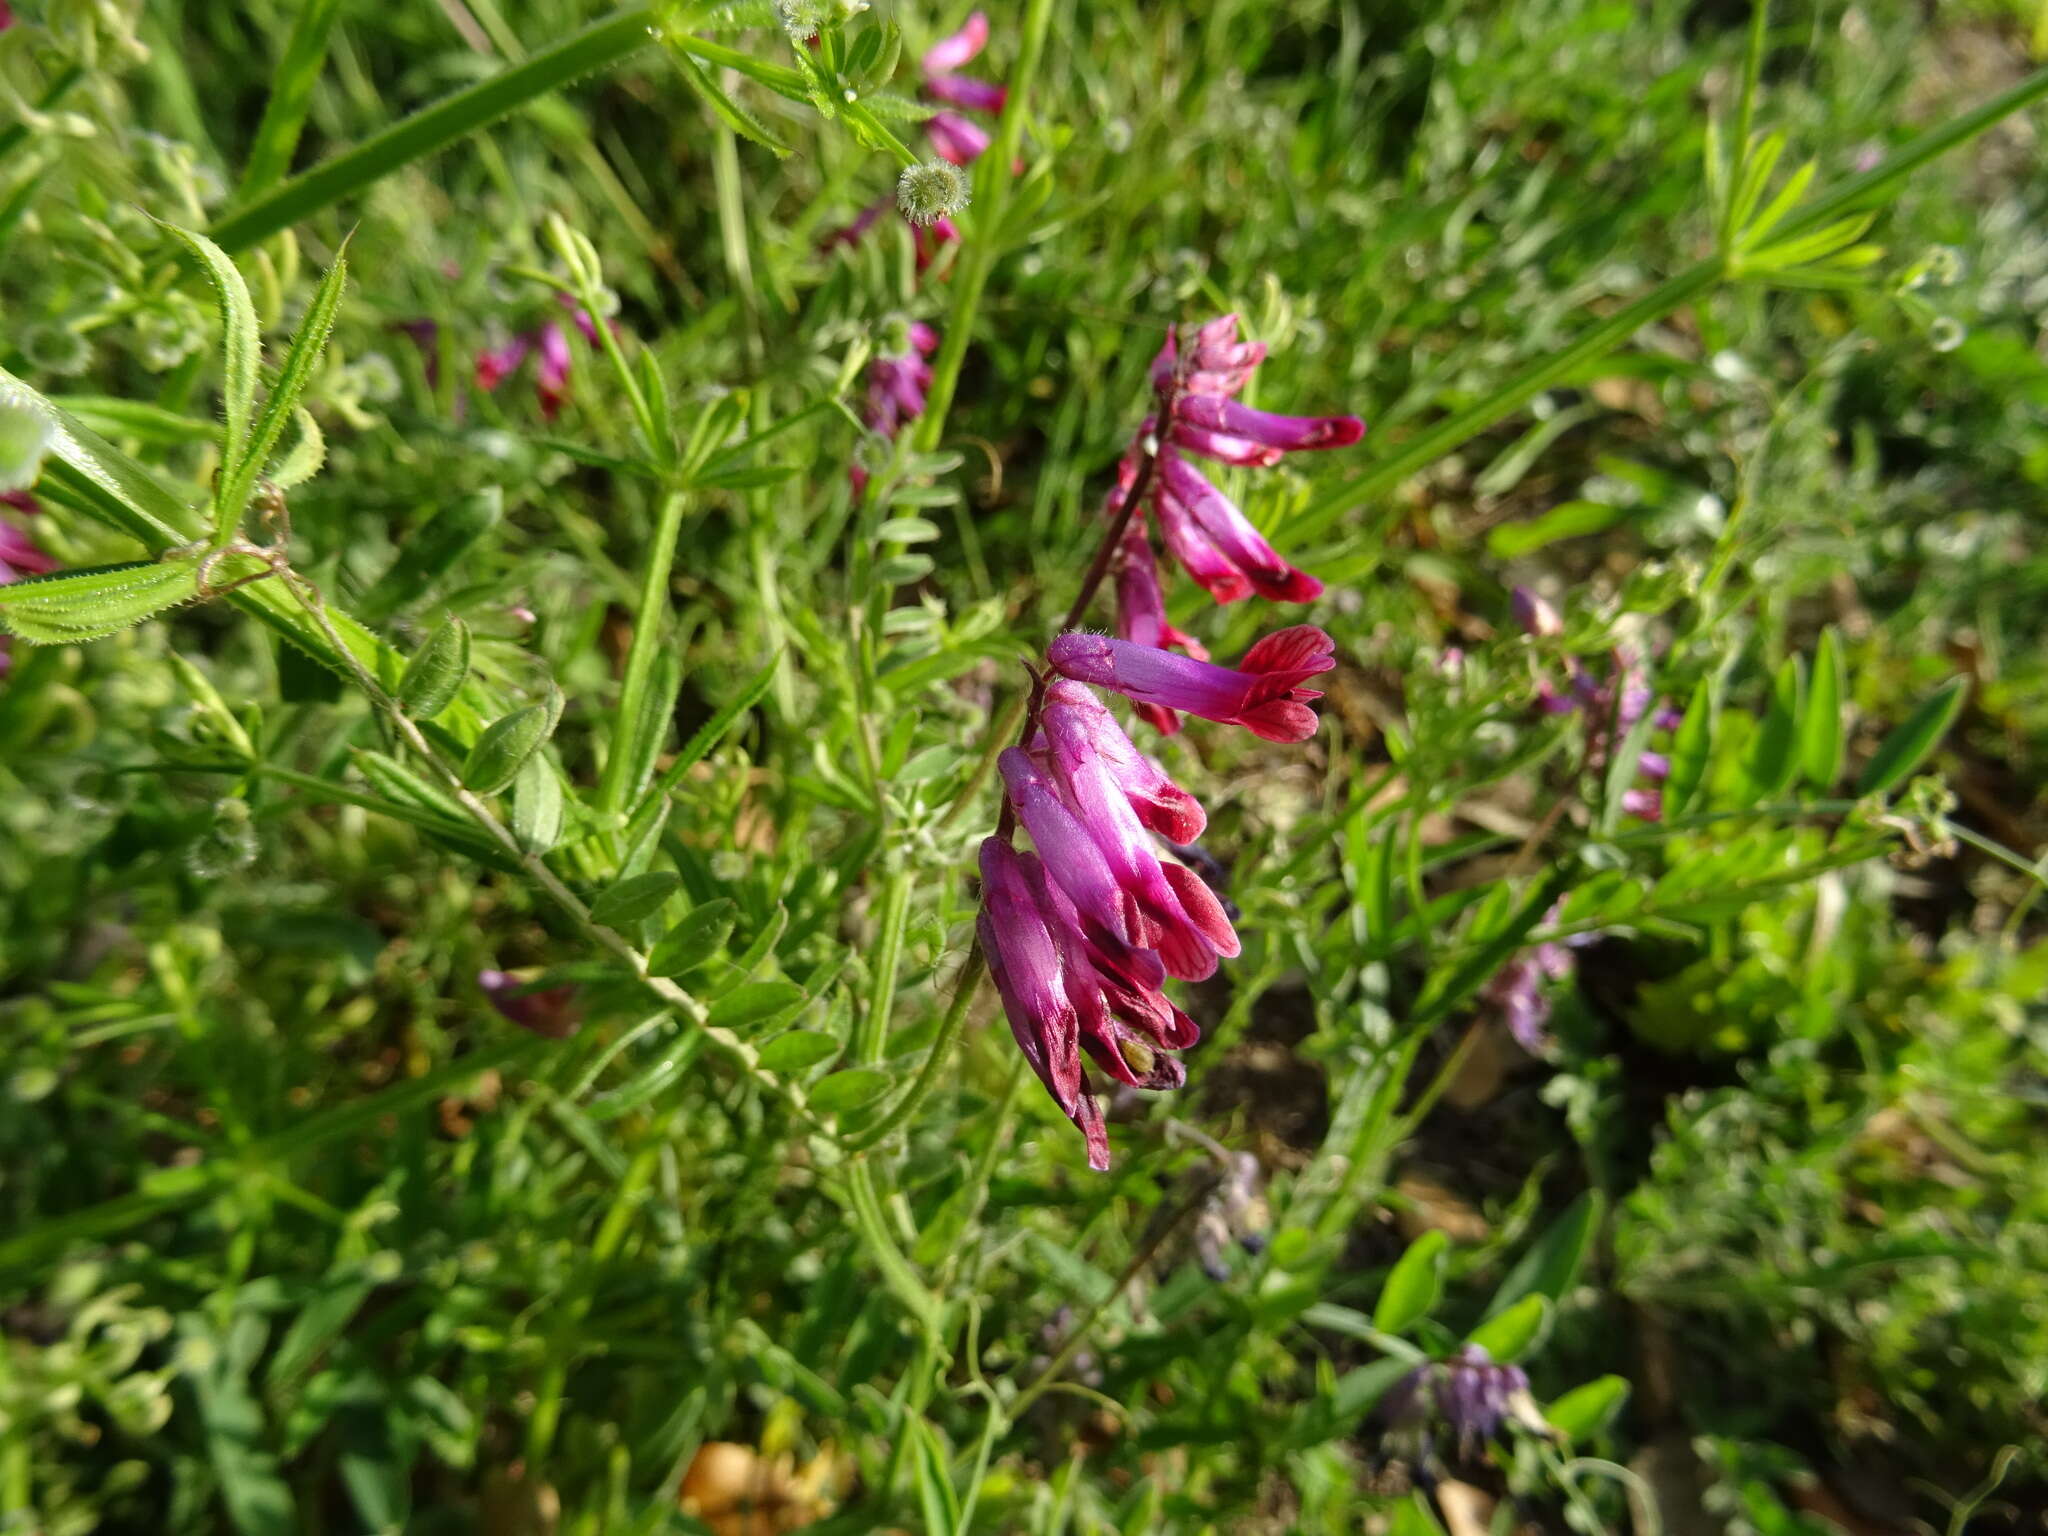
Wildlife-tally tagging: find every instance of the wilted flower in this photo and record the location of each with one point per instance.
(1263, 693)
(549, 1012)
(896, 390)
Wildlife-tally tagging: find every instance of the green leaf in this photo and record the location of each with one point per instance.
(436, 673)
(849, 1089)
(756, 1002)
(504, 747)
(74, 606)
(1553, 1261)
(308, 342)
(1413, 1287)
(723, 107)
(302, 461)
(1571, 519)
(1909, 744)
(537, 805)
(709, 734)
(1691, 750)
(1820, 728)
(241, 346)
(935, 1493)
(694, 940)
(1585, 1411)
(1413, 1518)
(291, 93)
(427, 553)
(1774, 751)
(1509, 1335)
(634, 899)
(798, 1050)
(433, 128)
(25, 434)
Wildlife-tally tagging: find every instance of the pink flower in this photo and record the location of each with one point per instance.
(1141, 614)
(1076, 717)
(494, 364)
(20, 555)
(551, 380)
(1263, 694)
(1214, 542)
(955, 138)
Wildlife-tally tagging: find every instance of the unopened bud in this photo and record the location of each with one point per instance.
(1536, 617)
(930, 191)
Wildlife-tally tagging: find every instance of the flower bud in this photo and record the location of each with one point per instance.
(1536, 616)
(930, 191)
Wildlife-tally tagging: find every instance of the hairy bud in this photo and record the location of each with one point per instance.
(930, 191)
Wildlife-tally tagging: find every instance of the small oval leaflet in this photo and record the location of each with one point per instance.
(693, 940)
(635, 898)
(436, 672)
(849, 1089)
(755, 1002)
(798, 1049)
(537, 806)
(504, 747)
(1511, 1334)
(86, 605)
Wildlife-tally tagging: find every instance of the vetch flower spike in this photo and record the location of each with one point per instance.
(1262, 694)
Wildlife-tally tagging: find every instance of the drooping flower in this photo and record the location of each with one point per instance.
(1263, 693)
(1197, 414)
(1536, 616)
(896, 391)
(1083, 932)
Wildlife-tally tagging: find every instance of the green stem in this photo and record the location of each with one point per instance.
(935, 1059)
(868, 1217)
(433, 128)
(291, 92)
(547, 1408)
(983, 243)
(894, 918)
(649, 624)
(14, 135)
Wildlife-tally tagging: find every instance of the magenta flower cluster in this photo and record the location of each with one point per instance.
(1082, 933)
(1197, 413)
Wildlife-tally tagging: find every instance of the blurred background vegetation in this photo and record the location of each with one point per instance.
(298, 1233)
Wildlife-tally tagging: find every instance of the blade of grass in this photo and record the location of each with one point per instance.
(291, 93)
(433, 128)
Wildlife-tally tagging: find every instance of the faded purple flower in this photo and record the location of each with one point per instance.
(1466, 1394)
(896, 390)
(1262, 694)
(1612, 702)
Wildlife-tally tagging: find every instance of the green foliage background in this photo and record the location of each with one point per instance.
(297, 1233)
